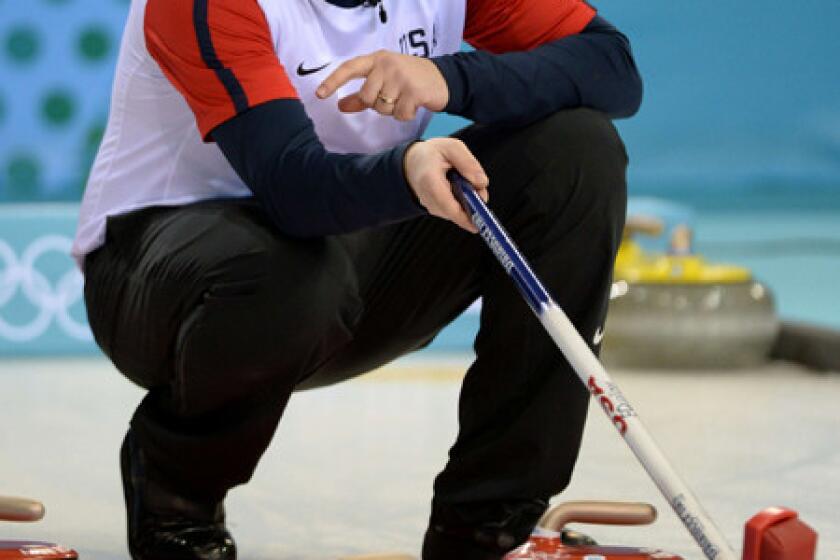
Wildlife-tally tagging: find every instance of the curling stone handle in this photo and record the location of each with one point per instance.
(600, 513)
(20, 509)
(645, 225)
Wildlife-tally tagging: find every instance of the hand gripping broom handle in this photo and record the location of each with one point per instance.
(593, 375)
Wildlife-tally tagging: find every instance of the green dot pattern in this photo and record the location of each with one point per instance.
(22, 45)
(23, 174)
(58, 108)
(57, 60)
(94, 44)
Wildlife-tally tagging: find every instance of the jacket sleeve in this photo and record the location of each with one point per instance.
(220, 56)
(307, 190)
(536, 57)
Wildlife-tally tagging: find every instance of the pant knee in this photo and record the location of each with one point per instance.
(579, 164)
(580, 135)
(264, 326)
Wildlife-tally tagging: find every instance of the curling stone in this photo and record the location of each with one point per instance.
(21, 509)
(677, 310)
(546, 544)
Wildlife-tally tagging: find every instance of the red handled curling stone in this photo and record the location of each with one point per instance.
(539, 548)
(546, 543)
(21, 509)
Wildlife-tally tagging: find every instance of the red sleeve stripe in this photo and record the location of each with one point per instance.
(208, 55)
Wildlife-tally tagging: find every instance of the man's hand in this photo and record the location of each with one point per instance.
(395, 85)
(426, 164)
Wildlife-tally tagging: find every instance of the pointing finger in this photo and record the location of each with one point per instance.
(358, 67)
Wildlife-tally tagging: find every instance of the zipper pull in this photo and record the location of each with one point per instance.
(383, 16)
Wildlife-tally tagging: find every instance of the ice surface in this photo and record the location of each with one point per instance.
(351, 468)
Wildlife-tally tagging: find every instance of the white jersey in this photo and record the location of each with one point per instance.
(153, 153)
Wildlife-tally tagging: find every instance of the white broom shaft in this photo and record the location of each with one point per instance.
(594, 376)
(627, 422)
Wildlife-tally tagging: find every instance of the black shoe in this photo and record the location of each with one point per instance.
(165, 526)
(481, 531)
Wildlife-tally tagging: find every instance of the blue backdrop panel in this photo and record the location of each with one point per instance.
(742, 109)
(739, 95)
(41, 304)
(56, 67)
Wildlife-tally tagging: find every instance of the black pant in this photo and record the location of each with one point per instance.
(222, 317)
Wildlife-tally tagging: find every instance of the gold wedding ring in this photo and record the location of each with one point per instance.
(384, 99)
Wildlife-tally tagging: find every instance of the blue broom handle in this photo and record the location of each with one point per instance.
(504, 249)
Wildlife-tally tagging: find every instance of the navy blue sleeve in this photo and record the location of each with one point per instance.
(594, 68)
(307, 190)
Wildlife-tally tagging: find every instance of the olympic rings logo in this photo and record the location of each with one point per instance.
(52, 300)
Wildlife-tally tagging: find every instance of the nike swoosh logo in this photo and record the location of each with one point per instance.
(301, 71)
(599, 336)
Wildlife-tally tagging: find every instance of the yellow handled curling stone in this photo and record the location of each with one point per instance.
(677, 310)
